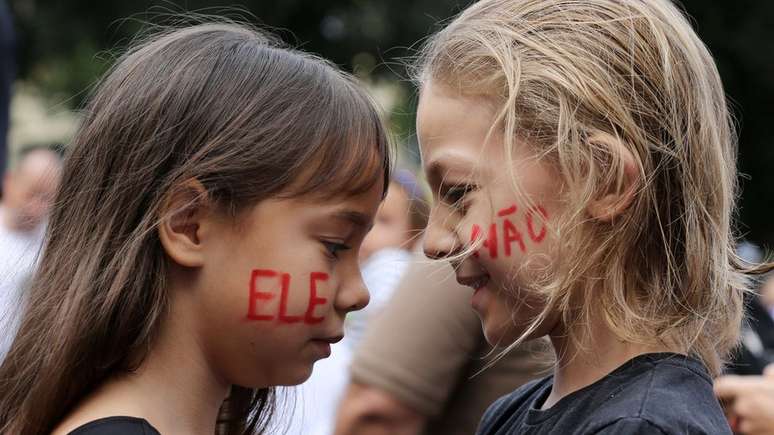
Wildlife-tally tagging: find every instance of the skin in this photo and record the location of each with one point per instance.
(392, 227)
(470, 177)
(207, 343)
(749, 402)
(366, 410)
(767, 293)
(29, 189)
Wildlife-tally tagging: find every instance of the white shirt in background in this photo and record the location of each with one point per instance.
(310, 408)
(18, 256)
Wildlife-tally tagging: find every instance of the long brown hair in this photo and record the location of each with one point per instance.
(218, 102)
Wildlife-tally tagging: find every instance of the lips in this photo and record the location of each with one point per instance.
(476, 282)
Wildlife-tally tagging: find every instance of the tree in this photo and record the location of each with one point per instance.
(64, 50)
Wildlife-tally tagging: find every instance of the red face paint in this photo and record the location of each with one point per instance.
(313, 299)
(283, 310)
(256, 295)
(531, 229)
(257, 299)
(507, 211)
(491, 241)
(475, 235)
(510, 235)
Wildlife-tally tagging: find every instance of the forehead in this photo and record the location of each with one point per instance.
(457, 133)
(283, 216)
(358, 208)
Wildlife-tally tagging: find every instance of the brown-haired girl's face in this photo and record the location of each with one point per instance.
(475, 206)
(274, 288)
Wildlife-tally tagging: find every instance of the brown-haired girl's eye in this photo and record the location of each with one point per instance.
(332, 248)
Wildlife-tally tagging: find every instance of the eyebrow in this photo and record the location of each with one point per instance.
(439, 167)
(356, 218)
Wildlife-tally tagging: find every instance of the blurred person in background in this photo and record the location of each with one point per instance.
(384, 257)
(422, 368)
(746, 389)
(756, 347)
(28, 190)
(7, 73)
(748, 402)
(767, 296)
(386, 252)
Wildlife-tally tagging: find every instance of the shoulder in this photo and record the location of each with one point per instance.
(672, 393)
(631, 426)
(120, 425)
(512, 405)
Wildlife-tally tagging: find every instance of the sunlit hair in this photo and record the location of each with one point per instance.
(417, 202)
(559, 71)
(220, 103)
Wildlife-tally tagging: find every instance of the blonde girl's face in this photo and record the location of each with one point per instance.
(498, 241)
(278, 285)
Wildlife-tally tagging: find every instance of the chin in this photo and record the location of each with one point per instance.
(501, 332)
(296, 377)
(495, 333)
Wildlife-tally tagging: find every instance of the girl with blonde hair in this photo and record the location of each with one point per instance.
(203, 246)
(582, 159)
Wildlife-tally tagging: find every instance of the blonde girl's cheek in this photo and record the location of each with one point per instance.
(515, 230)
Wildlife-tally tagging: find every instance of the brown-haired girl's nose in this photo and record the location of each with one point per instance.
(353, 296)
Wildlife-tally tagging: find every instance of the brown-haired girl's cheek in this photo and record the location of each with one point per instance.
(259, 307)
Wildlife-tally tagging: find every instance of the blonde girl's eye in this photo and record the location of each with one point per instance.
(332, 249)
(456, 195)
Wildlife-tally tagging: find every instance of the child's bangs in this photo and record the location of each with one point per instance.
(351, 152)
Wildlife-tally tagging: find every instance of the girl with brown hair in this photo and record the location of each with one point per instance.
(582, 157)
(203, 245)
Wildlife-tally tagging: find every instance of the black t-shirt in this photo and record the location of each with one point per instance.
(116, 426)
(658, 393)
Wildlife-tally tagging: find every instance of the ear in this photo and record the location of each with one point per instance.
(617, 198)
(184, 215)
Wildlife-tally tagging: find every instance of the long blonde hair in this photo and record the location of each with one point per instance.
(561, 70)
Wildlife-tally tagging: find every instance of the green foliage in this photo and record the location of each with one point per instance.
(68, 77)
(65, 45)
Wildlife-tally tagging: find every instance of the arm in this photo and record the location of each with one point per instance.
(366, 410)
(748, 401)
(413, 355)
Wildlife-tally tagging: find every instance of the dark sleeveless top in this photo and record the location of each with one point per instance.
(116, 426)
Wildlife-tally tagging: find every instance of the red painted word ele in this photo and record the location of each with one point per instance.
(282, 316)
(510, 233)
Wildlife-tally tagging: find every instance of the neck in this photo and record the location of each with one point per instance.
(179, 390)
(577, 367)
(174, 388)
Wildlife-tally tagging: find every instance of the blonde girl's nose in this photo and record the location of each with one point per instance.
(439, 242)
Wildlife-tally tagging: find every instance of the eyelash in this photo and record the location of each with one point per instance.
(332, 248)
(455, 195)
